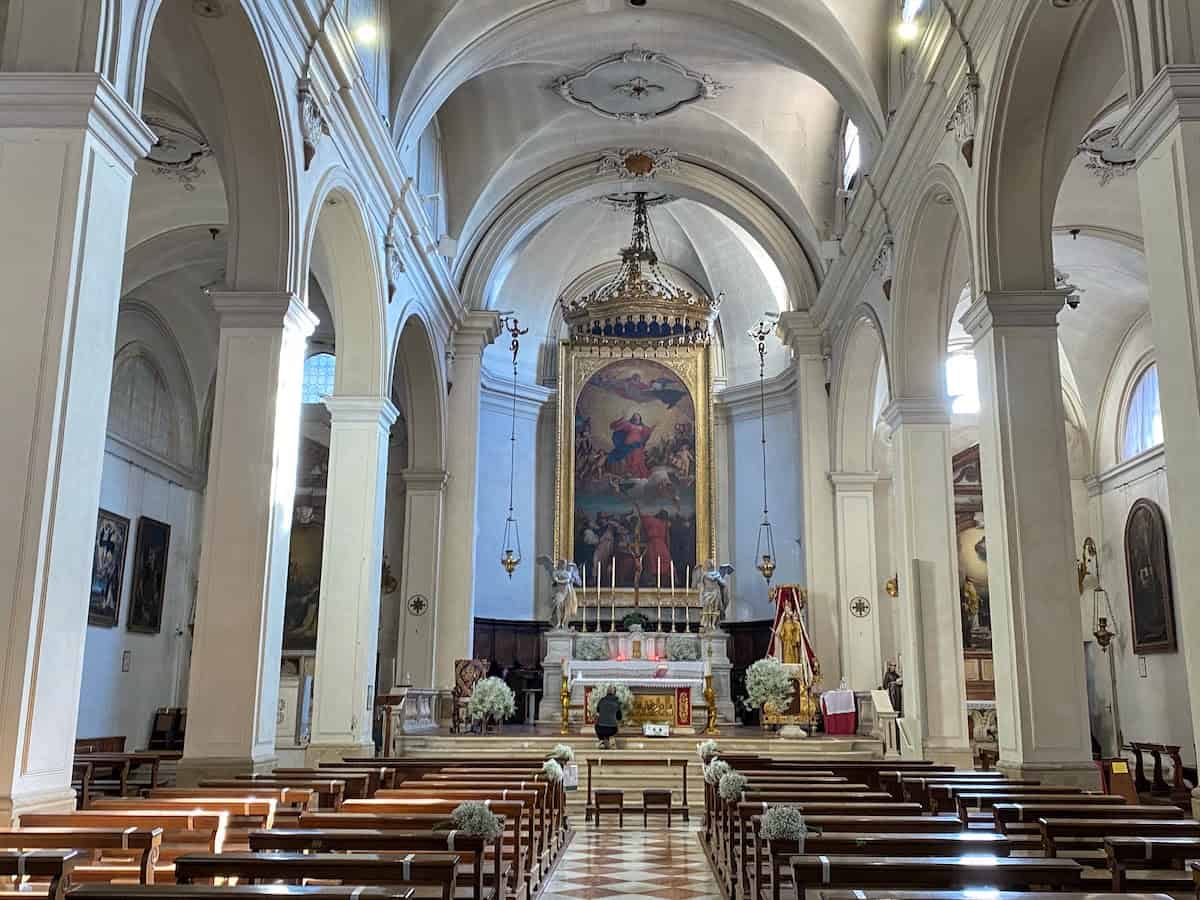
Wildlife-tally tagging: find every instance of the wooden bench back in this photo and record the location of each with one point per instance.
(1006, 815)
(239, 892)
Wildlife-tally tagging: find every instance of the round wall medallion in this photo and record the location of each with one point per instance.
(860, 607)
(418, 604)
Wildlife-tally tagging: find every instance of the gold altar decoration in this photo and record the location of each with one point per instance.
(710, 706)
(564, 697)
(634, 456)
(653, 708)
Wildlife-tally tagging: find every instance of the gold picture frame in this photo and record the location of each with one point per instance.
(578, 363)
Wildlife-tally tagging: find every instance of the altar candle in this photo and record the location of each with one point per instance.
(583, 605)
(707, 667)
(687, 615)
(612, 624)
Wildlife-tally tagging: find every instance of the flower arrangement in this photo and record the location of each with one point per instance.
(714, 771)
(491, 699)
(624, 697)
(552, 770)
(731, 785)
(635, 627)
(591, 648)
(767, 681)
(783, 823)
(681, 648)
(563, 754)
(474, 817)
(707, 750)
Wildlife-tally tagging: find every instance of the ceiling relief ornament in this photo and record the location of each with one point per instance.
(963, 118)
(627, 201)
(313, 125)
(638, 164)
(637, 86)
(392, 257)
(178, 152)
(1103, 157)
(885, 264)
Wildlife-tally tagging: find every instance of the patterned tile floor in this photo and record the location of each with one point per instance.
(633, 864)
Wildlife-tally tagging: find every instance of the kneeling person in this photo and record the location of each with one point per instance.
(608, 715)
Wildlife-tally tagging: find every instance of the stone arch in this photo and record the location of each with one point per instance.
(529, 207)
(860, 354)
(1046, 93)
(934, 248)
(248, 122)
(355, 287)
(424, 392)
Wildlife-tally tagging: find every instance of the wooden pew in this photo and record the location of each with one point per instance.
(182, 832)
(942, 796)
(295, 800)
(778, 853)
(488, 775)
(1125, 853)
(438, 870)
(970, 802)
(244, 815)
(54, 867)
(1015, 818)
(330, 791)
(360, 783)
(948, 872)
(241, 892)
(482, 884)
(387, 774)
(1089, 834)
(401, 814)
(975, 895)
(890, 776)
(134, 846)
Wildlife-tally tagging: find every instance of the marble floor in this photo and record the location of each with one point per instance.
(635, 864)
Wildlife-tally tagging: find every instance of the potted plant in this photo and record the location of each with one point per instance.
(769, 683)
(491, 702)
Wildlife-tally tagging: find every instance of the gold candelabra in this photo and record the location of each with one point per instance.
(710, 703)
(564, 697)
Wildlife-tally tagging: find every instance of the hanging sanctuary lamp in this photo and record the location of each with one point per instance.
(510, 556)
(764, 550)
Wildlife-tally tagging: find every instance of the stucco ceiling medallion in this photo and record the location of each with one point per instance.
(637, 86)
(638, 164)
(178, 152)
(1104, 158)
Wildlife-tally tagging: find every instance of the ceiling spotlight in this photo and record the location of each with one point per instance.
(907, 31)
(366, 33)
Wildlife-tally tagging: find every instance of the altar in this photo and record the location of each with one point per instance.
(666, 691)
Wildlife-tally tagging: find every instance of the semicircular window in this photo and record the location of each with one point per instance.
(1143, 417)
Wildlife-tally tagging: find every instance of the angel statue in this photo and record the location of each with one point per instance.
(712, 584)
(565, 578)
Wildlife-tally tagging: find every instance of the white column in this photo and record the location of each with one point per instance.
(352, 562)
(454, 603)
(67, 149)
(1041, 697)
(1163, 129)
(423, 502)
(820, 549)
(930, 632)
(234, 682)
(858, 578)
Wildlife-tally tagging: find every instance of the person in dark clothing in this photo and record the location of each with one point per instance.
(608, 714)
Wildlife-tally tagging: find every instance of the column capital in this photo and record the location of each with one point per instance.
(42, 101)
(361, 410)
(478, 329)
(917, 411)
(1013, 309)
(846, 482)
(262, 309)
(427, 480)
(1172, 97)
(798, 331)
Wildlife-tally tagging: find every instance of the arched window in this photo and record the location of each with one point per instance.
(911, 9)
(319, 371)
(141, 409)
(1143, 417)
(962, 384)
(851, 154)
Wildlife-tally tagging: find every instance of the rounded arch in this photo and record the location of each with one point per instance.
(1134, 356)
(352, 281)
(860, 354)
(422, 392)
(1046, 92)
(529, 207)
(935, 255)
(247, 118)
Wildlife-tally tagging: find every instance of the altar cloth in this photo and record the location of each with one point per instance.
(841, 716)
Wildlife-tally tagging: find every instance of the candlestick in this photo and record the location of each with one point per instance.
(612, 620)
(687, 587)
(583, 605)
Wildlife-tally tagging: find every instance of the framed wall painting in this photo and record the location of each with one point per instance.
(108, 568)
(1147, 565)
(149, 575)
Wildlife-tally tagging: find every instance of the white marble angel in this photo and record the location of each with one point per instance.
(712, 584)
(565, 578)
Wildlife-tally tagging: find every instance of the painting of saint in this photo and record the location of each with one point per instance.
(148, 593)
(1151, 605)
(108, 568)
(635, 475)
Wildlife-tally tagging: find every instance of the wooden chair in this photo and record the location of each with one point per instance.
(467, 673)
(612, 799)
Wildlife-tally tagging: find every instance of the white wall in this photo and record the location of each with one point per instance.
(113, 702)
(496, 595)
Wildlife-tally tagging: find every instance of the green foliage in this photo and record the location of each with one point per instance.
(491, 699)
(767, 681)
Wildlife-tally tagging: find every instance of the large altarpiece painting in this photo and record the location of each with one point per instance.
(633, 484)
